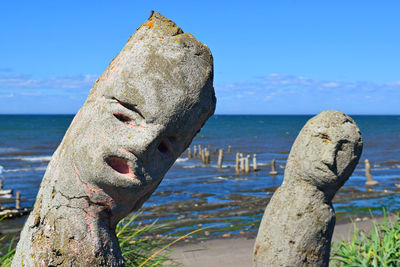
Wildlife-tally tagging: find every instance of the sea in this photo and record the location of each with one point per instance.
(27, 143)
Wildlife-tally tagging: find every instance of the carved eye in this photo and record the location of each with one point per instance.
(123, 117)
(129, 106)
(163, 147)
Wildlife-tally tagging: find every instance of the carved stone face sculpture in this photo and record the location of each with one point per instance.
(326, 150)
(322, 158)
(141, 114)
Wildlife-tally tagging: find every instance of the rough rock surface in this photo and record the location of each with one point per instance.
(298, 223)
(140, 115)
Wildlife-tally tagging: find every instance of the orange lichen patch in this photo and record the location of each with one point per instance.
(325, 138)
(112, 67)
(150, 24)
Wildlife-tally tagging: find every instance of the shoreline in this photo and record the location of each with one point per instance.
(238, 251)
(238, 216)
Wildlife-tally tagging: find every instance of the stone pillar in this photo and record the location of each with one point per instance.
(370, 181)
(273, 170)
(140, 115)
(298, 223)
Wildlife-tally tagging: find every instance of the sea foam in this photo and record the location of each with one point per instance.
(38, 158)
(42, 168)
(178, 160)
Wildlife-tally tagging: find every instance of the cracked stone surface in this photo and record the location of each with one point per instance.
(140, 115)
(298, 223)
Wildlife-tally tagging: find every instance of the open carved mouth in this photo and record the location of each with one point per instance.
(119, 165)
(122, 167)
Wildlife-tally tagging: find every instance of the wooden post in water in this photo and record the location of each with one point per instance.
(202, 156)
(214, 152)
(237, 170)
(220, 158)
(200, 149)
(189, 153)
(229, 149)
(241, 163)
(247, 164)
(273, 171)
(194, 151)
(1, 184)
(370, 181)
(207, 156)
(255, 163)
(18, 200)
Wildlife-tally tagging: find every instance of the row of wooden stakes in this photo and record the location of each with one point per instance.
(7, 194)
(11, 212)
(242, 163)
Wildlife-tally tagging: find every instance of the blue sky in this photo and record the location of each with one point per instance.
(271, 57)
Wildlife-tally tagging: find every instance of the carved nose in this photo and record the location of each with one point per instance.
(154, 147)
(329, 156)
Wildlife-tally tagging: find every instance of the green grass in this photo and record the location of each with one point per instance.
(381, 247)
(8, 251)
(136, 247)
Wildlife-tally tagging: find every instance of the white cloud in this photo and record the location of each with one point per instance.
(6, 95)
(330, 84)
(25, 82)
(282, 93)
(31, 93)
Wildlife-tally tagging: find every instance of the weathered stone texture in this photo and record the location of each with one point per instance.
(140, 115)
(298, 223)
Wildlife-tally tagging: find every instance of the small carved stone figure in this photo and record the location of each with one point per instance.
(140, 115)
(297, 226)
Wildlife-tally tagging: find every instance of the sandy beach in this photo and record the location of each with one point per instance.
(238, 251)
